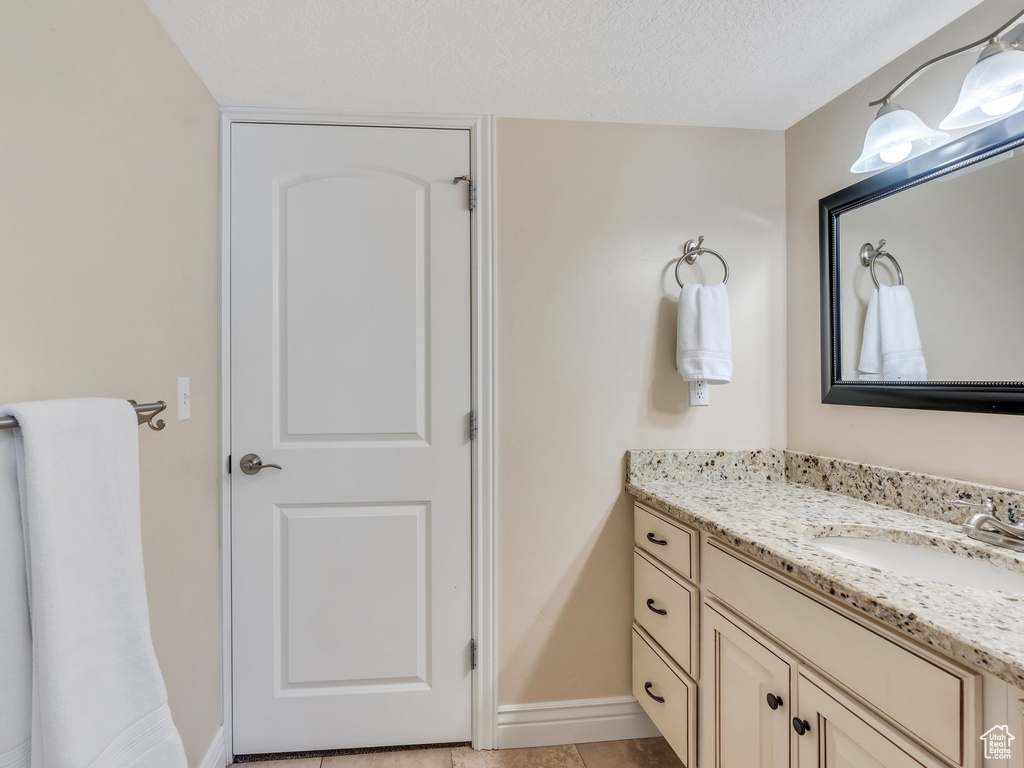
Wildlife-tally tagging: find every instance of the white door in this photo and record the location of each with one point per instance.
(350, 368)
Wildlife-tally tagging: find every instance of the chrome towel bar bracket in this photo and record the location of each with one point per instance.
(692, 250)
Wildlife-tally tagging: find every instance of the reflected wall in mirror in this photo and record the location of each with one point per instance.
(960, 243)
(953, 337)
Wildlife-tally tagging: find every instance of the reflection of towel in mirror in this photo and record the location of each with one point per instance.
(703, 334)
(891, 349)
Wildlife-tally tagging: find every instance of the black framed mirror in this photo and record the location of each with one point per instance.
(952, 222)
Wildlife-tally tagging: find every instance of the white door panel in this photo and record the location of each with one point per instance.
(350, 334)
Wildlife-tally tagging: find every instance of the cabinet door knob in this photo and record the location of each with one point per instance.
(659, 611)
(659, 542)
(774, 701)
(647, 690)
(800, 726)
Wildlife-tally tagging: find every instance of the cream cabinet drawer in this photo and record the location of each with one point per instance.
(672, 543)
(667, 697)
(934, 699)
(665, 606)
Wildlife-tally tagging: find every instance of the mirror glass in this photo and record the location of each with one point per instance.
(959, 239)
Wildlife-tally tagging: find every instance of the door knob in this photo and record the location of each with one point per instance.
(800, 726)
(774, 701)
(250, 464)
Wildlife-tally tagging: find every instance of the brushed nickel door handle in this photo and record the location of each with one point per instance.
(251, 463)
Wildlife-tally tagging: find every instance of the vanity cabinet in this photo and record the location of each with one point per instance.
(753, 722)
(931, 698)
(785, 676)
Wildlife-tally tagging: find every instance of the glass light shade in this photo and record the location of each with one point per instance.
(896, 135)
(994, 88)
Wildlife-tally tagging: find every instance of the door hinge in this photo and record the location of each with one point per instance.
(229, 463)
(472, 425)
(472, 189)
(472, 654)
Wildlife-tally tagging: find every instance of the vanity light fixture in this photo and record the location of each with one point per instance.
(992, 90)
(897, 134)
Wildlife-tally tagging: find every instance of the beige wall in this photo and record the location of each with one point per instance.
(108, 230)
(819, 152)
(591, 217)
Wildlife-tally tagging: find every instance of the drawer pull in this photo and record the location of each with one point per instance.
(774, 702)
(659, 611)
(647, 690)
(659, 542)
(800, 726)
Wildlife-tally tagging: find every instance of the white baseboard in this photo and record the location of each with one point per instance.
(572, 722)
(216, 756)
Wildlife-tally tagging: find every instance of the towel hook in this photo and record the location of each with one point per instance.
(869, 254)
(146, 417)
(692, 250)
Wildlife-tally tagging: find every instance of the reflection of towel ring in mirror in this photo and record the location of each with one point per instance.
(869, 255)
(692, 250)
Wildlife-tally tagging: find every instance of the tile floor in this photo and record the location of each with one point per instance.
(635, 753)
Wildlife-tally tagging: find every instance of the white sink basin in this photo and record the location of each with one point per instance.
(919, 562)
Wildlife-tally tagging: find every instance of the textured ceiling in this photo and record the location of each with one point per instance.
(734, 63)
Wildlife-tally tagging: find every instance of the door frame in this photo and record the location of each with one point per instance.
(482, 233)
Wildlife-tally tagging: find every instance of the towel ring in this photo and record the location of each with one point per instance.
(869, 255)
(692, 250)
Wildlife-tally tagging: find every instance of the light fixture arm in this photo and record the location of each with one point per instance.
(990, 38)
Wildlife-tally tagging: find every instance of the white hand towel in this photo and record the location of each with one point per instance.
(100, 697)
(870, 366)
(703, 334)
(15, 636)
(902, 356)
(896, 342)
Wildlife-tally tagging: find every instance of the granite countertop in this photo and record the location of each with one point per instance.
(775, 522)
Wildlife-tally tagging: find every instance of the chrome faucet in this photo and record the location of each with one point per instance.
(985, 526)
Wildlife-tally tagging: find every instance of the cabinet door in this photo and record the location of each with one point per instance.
(749, 729)
(842, 734)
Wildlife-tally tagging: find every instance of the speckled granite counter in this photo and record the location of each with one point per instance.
(775, 522)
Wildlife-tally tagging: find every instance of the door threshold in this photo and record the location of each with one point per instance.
(353, 751)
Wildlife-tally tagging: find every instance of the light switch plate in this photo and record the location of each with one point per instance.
(184, 398)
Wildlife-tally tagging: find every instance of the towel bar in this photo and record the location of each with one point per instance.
(869, 255)
(146, 413)
(692, 250)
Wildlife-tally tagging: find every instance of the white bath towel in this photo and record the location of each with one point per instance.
(100, 700)
(703, 334)
(891, 347)
(15, 637)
